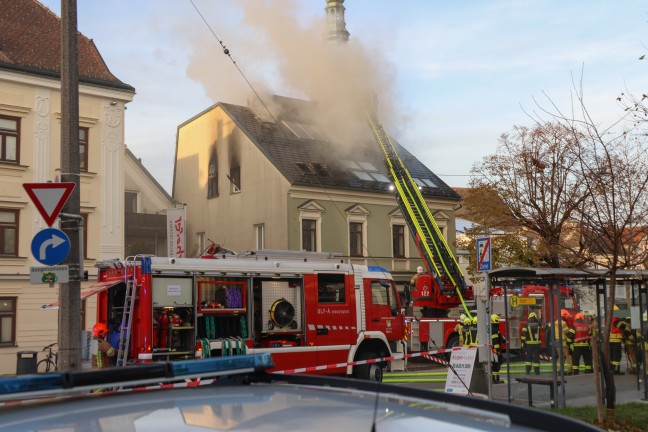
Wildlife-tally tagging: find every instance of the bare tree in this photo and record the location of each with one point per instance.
(611, 218)
(533, 174)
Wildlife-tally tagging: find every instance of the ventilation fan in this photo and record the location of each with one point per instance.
(282, 313)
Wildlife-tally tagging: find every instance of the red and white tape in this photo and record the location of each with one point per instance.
(361, 362)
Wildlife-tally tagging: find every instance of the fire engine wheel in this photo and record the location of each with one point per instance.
(369, 372)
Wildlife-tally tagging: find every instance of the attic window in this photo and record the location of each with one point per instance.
(424, 182)
(305, 131)
(313, 168)
(365, 171)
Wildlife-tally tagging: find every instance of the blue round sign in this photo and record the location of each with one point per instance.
(50, 246)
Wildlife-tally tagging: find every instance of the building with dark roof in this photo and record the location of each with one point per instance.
(30, 152)
(281, 181)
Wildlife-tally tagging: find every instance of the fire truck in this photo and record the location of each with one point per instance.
(524, 298)
(306, 309)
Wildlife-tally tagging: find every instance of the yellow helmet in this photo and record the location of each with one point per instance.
(467, 321)
(533, 315)
(495, 319)
(616, 307)
(474, 320)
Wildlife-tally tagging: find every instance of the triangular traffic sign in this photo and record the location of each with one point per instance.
(49, 198)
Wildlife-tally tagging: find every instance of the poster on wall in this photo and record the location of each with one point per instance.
(176, 226)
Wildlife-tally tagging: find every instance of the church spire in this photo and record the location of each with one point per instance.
(336, 26)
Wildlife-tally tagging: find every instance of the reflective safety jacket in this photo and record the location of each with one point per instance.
(582, 332)
(496, 338)
(531, 334)
(616, 333)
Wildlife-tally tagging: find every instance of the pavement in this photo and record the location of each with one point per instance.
(579, 390)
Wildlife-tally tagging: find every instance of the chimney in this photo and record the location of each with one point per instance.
(336, 26)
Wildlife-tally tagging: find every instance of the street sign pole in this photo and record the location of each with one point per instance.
(70, 293)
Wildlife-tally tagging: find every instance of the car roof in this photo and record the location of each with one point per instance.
(256, 400)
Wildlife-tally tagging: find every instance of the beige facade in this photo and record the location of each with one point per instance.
(33, 101)
(237, 197)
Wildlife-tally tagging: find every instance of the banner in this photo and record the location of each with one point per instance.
(176, 226)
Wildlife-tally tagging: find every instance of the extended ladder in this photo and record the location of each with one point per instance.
(430, 241)
(130, 279)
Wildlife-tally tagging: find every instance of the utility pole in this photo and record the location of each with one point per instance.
(69, 314)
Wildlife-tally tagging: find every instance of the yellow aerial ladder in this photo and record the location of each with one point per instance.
(436, 254)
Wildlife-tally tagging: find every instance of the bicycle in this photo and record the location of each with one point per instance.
(50, 362)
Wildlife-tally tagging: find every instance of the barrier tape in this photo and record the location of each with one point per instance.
(369, 361)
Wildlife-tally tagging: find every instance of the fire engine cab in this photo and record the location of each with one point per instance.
(306, 309)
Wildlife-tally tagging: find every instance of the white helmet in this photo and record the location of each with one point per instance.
(419, 269)
(462, 317)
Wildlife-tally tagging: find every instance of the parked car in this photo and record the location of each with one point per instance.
(236, 393)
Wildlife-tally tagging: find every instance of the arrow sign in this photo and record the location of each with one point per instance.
(50, 246)
(49, 198)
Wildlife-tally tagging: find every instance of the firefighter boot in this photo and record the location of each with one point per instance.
(528, 369)
(537, 370)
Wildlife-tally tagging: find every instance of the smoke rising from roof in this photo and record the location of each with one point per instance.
(282, 51)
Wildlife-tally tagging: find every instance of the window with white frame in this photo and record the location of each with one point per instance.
(8, 321)
(357, 222)
(310, 220)
(9, 139)
(259, 234)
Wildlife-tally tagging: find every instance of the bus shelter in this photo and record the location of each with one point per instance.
(509, 279)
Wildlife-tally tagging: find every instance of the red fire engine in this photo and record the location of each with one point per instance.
(306, 309)
(527, 298)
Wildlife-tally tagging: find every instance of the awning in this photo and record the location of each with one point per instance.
(86, 292)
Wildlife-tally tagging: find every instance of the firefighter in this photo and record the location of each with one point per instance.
(531, 343)
(473, 333)
(465, 332)
(459, 328)
(629, 344)
(564, 352)
(616, 339)
(100, 348)
(419, 271)
(581, 339)
(496, 338)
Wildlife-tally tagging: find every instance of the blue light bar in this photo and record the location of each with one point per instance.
(132, 375)
(377, 269)
(29, 383)
(222, 364)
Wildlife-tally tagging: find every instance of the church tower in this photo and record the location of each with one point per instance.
(336, 26)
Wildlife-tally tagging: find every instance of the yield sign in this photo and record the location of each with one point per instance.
(49, 198)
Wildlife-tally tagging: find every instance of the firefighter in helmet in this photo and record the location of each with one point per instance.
(629, 344)
(581, 338)
(531, 343)
(465, 332)
(419, 271)
(563, 352)
(100, 348)
(459, 328)
(496, 338)
(616, 339)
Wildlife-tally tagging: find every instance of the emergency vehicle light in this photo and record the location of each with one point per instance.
(66, 382)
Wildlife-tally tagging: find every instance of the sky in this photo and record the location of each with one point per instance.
(450, 76)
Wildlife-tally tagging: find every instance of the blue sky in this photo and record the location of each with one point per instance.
(455, 74)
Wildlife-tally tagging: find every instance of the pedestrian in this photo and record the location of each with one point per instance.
(531, 343)
(581, 339)
(616, 339)
(100, 348)
(564, 351)
(496, 338)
